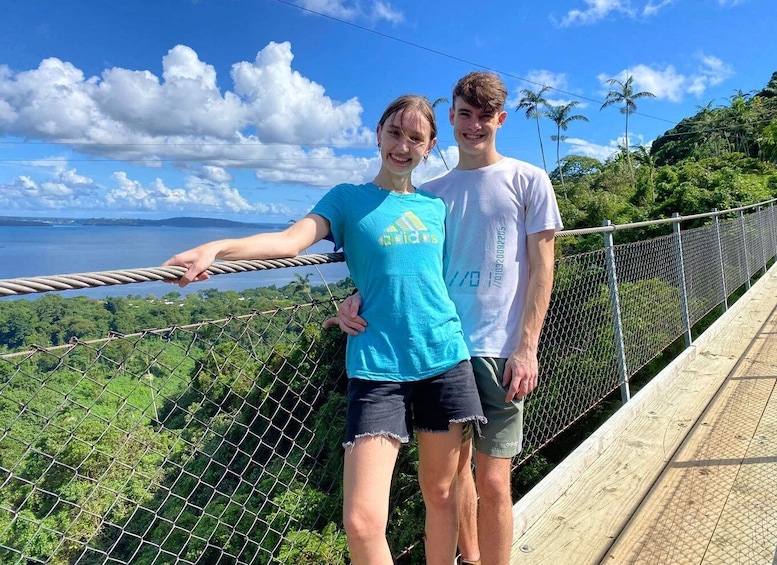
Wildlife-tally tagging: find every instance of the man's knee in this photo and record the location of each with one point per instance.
(493, 479)
(493, 490)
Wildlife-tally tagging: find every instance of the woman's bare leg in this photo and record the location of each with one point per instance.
(369, 465)
(468, 506)
(438, 455)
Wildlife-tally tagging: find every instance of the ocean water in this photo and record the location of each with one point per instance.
(65, 249)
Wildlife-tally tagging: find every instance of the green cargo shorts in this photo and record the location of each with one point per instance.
(502, 435)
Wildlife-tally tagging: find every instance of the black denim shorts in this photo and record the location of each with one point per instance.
(397, 409)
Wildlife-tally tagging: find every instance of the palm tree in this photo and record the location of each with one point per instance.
(706, 118)
(301, 285)
(434, 105)
(625, 97)
(561, 116)
(740, 104)
(533, 102)
(646, 159)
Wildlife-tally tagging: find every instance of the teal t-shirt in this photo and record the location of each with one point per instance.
(393, 245)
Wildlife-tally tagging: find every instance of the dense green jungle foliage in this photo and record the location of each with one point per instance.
(52, 320)
(722, 157)
(85, 444)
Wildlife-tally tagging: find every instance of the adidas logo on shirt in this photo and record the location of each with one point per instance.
(408, 228)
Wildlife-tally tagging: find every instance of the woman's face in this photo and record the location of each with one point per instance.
(404, 139)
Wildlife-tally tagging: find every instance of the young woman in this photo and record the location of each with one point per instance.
(410, 371)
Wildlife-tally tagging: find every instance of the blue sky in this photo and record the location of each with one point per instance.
(250, 110)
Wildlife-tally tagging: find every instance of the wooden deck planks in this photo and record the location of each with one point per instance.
(709, 503)
(747, 529)
(581, 525)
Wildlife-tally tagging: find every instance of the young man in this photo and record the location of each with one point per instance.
(502, 217)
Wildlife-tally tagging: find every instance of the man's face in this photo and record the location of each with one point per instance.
(474, 128)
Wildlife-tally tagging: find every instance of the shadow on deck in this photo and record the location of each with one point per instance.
(686, 472)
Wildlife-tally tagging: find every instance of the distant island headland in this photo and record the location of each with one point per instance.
(180, 222)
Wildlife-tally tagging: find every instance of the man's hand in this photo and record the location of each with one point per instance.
(520, 374)
(348, 318)
(521, 370)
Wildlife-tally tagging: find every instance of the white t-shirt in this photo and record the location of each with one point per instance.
(491, 210)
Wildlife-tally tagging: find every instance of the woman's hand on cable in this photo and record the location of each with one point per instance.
(196, 261)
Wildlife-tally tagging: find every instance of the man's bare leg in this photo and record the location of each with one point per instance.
(495, 524)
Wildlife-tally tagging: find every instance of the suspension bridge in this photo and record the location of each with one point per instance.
(217, 440)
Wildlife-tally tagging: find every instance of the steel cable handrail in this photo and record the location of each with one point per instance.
(73, 281)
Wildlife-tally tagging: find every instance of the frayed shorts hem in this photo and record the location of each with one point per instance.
(388, 435)
(473, 421)
(398, 409)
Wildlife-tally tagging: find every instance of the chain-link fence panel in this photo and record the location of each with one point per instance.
(734, 256)
(649, 291)
(766, 229)
(577, 361)
(213, 443)
(702, 260)
(752, 237)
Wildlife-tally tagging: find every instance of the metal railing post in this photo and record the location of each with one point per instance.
(615, 304)
(681, 281)
(772, 231)
(744, 248)
(721, 264)
(761, 236)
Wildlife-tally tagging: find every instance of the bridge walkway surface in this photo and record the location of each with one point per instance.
(685, 472)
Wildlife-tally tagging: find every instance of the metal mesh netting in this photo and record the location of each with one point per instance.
(753, 241)
(705, 290)
(649, 282)
(734, 264)
(769, 230)
(220, 441)
(577, 358)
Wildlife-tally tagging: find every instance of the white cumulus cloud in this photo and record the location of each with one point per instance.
(352, 10)
(595, 11)
(201, 194)
(61, 188)
(667, 83)
(183, 116)
(286, 107)
(655, 6)
(589, 149)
